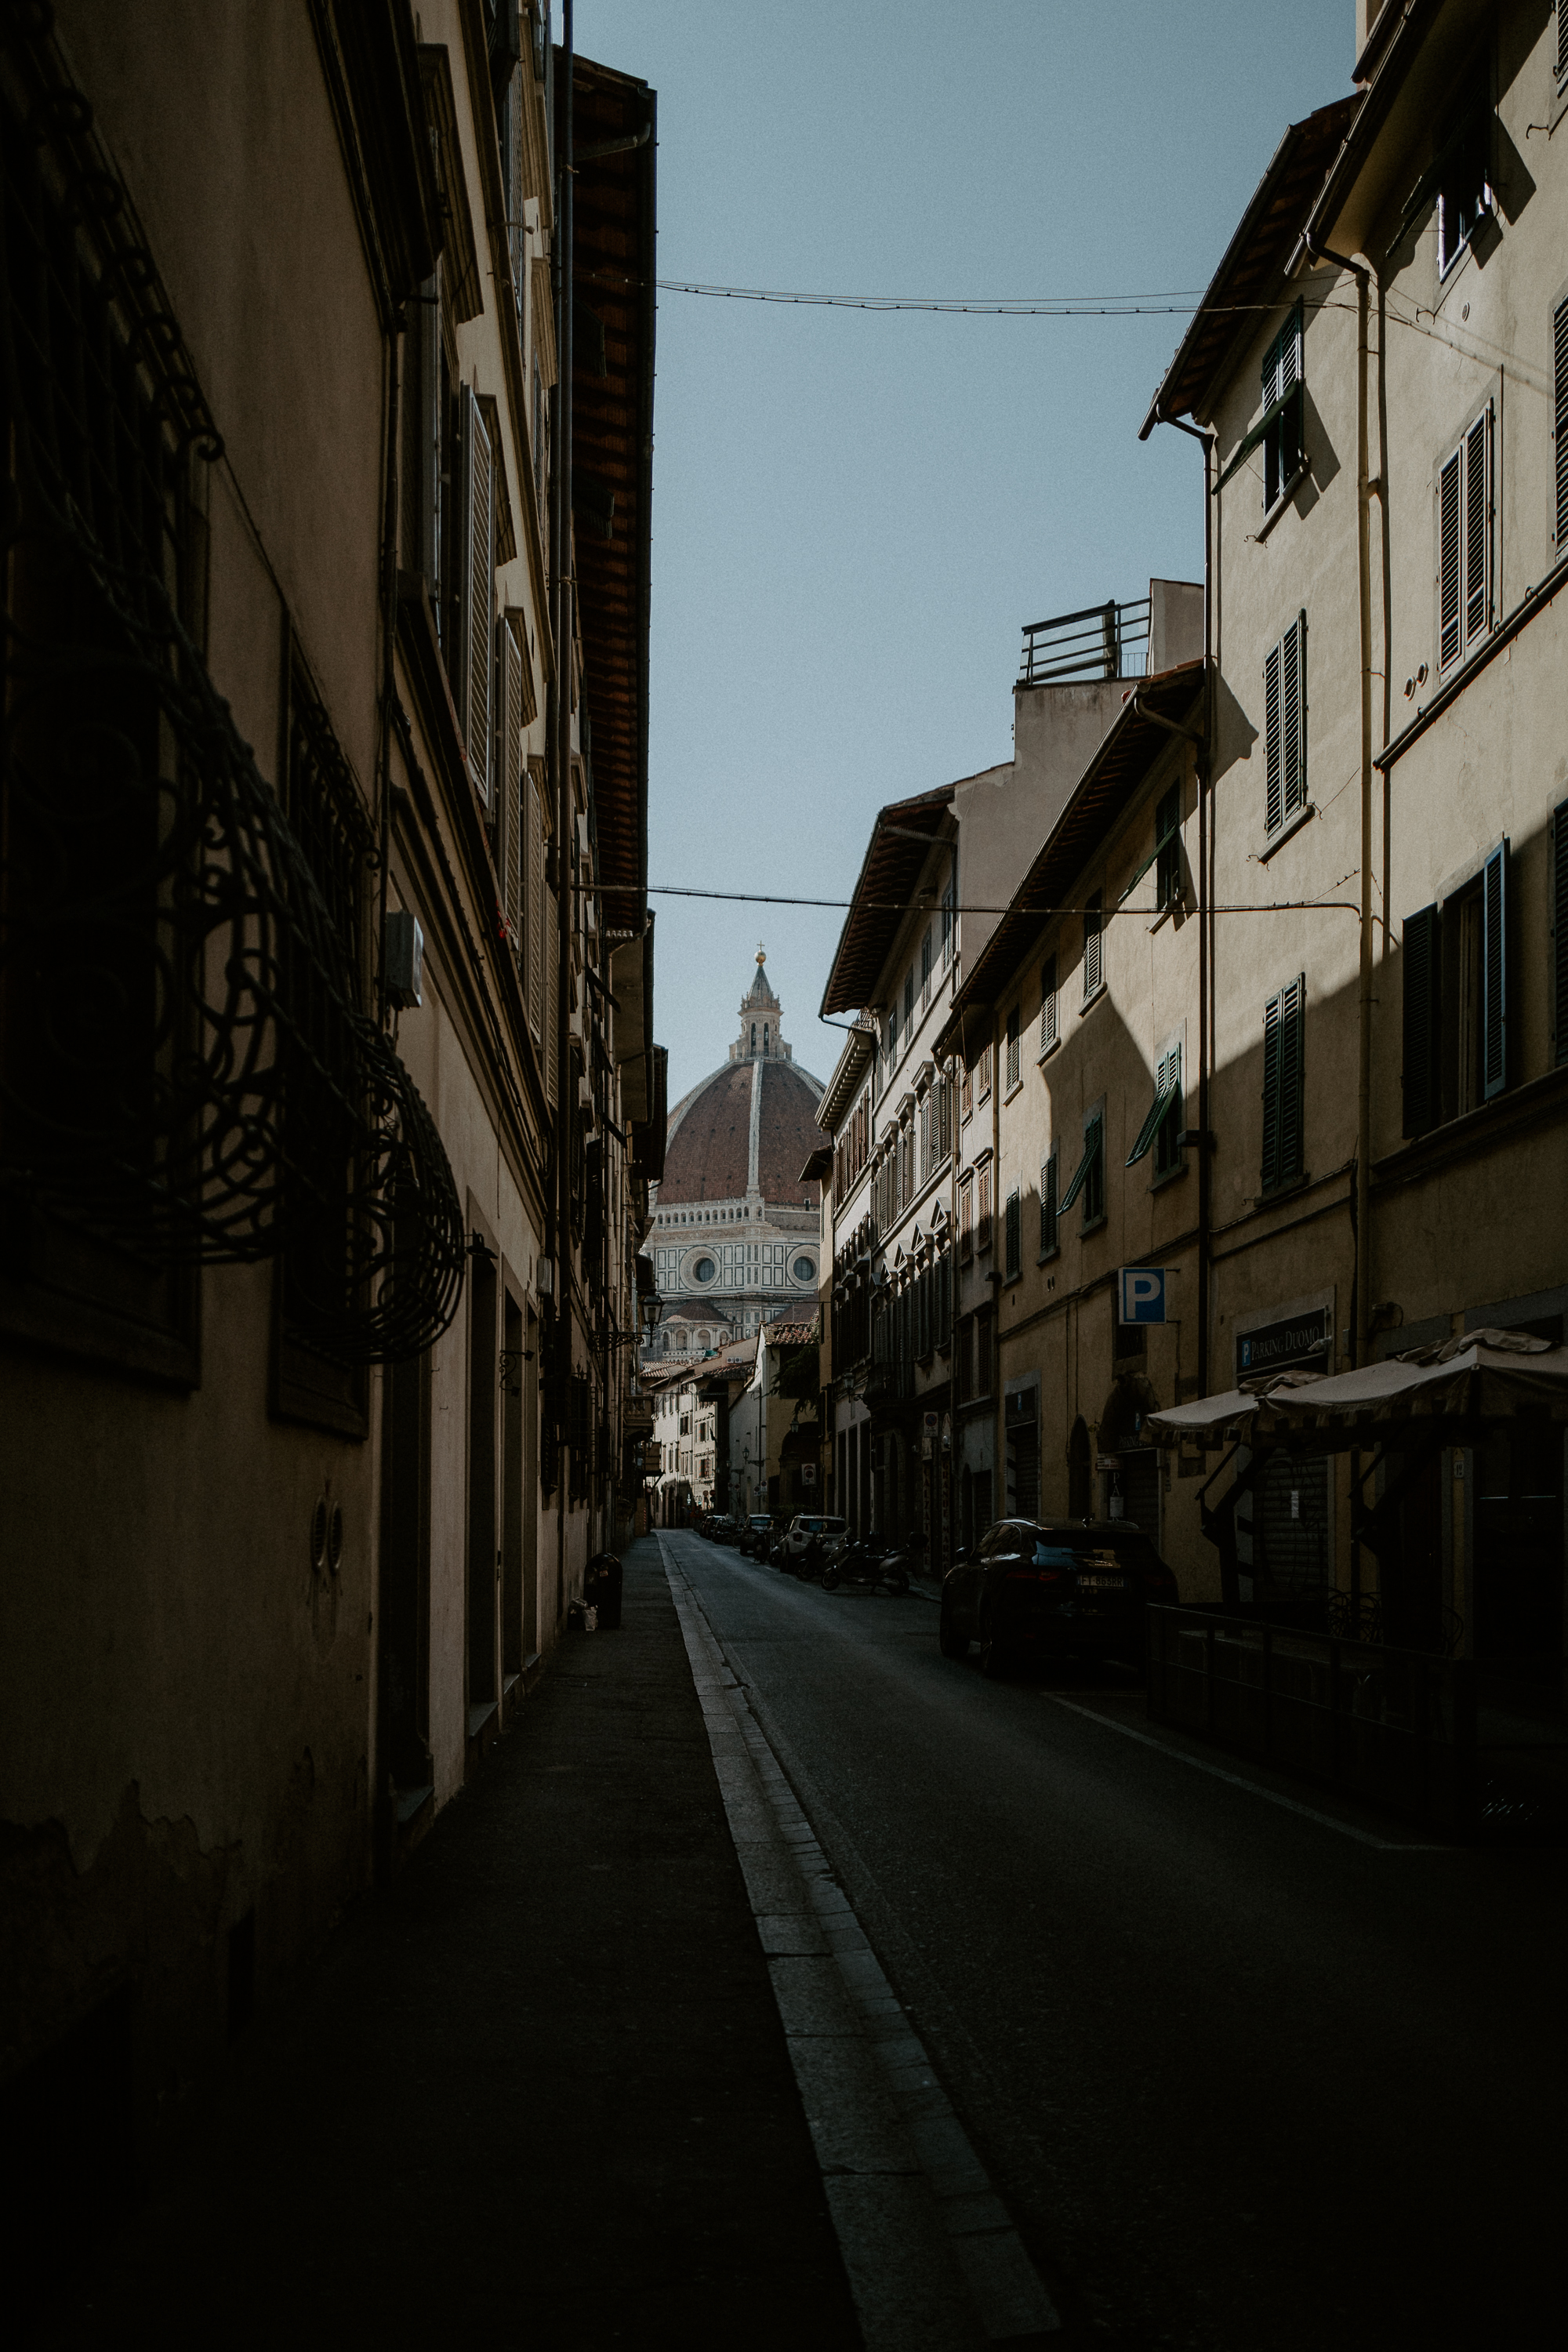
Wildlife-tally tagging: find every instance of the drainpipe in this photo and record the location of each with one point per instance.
(1363, 554)
(1362, 1213)
(1203, 762)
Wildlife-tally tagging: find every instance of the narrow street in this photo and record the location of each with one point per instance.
(1238, 2067)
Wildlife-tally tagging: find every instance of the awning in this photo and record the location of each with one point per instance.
(1475, 1376)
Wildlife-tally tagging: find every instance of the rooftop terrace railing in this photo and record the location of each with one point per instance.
(1102, 641)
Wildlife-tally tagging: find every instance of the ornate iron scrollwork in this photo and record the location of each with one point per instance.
(185, 1069)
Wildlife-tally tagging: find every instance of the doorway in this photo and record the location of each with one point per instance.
(404, 1604)
(484, 1556)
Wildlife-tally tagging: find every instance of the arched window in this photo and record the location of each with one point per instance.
(754, 1037)
(764, 1036)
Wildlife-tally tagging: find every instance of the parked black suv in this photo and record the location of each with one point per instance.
(1052, 1587)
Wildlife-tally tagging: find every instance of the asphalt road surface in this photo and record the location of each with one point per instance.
(1246, 2075)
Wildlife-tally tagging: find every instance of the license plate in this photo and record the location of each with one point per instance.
(1102, 1584)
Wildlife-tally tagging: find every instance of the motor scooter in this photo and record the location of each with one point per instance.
(867, 1566)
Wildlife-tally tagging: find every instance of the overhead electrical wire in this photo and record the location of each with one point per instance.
(1183, 299)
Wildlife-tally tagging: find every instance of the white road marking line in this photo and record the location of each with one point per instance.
(1217, 1773)
(898, 2171)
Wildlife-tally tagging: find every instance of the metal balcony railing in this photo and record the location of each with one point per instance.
(1102, 641)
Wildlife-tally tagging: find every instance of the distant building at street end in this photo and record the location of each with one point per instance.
(735, 1229)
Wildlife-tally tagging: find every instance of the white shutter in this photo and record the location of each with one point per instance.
(477, 589)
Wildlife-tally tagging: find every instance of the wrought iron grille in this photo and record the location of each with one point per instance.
(172, 974)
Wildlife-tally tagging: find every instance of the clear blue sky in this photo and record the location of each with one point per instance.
(854, 514)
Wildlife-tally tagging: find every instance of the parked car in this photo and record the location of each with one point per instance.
(724, 1529)
(1052, 1587)
(810, 1532)
(756, 1535)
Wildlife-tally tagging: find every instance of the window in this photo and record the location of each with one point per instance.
(966, 1092)
(1162, 1125)
(1282, 397)
(1049, 1030)
(1089, 1179)
(984, 1071)
(1563, 43)
(1093, 942)
(805, 1270)
(983, 1210)
(1048, 1242)
(1285, 727)
(982, 1351)
(925, 966)
(1463, 192)
(892, 1033)
(967, 1217)
(1560, 405)
(1012, 1229)
(1465, 543)
(910, 998)
(1168, 847)
(1284, 1022)
(947, 915)
(1012, 1079)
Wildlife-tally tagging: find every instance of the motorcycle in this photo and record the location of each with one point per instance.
(869, 1566)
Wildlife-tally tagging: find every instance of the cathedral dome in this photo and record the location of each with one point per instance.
(747, 1130)
(735, 1237)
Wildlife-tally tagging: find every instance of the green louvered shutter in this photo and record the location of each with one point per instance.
(1494, 973)
(1292, 1057)
(1048, 1206)
(1293, 714)
(1274, 786)
(1448, 613)
(1423, 997)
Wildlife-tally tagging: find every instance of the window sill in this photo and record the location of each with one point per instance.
(1157, 1184)
(1093, 1225)
(1047, 1256)
(1283, 501)
(1087, 1007)
(1044, 1055)
(1016, 1088)
(1274, 841)
(1281, 1192)
(1174, 909)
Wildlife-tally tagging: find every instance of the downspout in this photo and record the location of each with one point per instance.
(1363, 1038)
(1203, 762)
(565, 1108)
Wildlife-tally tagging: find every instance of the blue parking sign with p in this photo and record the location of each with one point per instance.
(1143, 1294)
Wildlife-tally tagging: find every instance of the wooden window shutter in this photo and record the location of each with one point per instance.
(1274, 787)
(1559, 854)
(1562, 40)
(1093, 955)
(1292, 1040)
(477, 589)
(1012, 1232)
(1284, 1024)
(552, 988)
(1047, 1003)
(1477, 527)
(509, 783)
(1048, 1206)
(1494, 973)
(1423, 999)
(1560, 405)
(1449, 637)
(1293, 713)
(536, 925)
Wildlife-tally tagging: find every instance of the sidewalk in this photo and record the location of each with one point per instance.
(539, 2086)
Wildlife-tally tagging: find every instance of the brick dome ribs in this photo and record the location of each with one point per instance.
(708, 1150)
(787, 1133)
